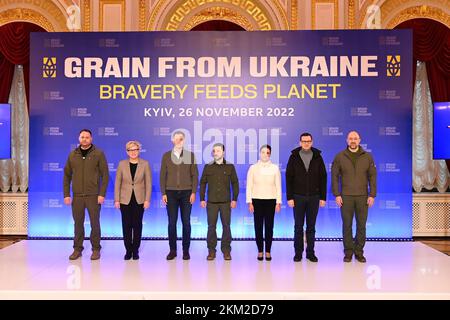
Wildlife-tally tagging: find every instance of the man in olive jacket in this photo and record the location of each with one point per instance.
(354, 184)
(219, 176)
(87, 170)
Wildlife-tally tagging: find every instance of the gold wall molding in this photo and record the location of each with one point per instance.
(388, 7)
(423, 11)
(26, 15)
(170, 16)
(335, 12)
(175, 19)
(86, 14)
(284, 25)
(40, 12)
(362, 12)
(294, 15)
(142, 14)
(351, 14)
(218, 13)
(102, 4)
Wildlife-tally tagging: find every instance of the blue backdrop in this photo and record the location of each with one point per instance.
(5, 131)
(313, 89)
(441, 130)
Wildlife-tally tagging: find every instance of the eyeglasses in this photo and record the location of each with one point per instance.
(307, 141)
(132, 150)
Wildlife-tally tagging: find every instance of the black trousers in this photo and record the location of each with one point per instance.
(132, 215)
(179, 199)
(264, 215)
(305, 207)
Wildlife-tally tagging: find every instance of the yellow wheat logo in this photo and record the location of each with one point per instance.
(49, 67)
(393, 66)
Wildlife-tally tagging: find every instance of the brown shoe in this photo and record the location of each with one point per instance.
(227, 256)
(211, 255)
(95, 255)
(75, 255)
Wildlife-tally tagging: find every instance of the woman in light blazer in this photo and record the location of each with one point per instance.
(132, 192)
(263, 199)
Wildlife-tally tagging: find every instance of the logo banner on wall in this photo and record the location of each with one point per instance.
(243, 89)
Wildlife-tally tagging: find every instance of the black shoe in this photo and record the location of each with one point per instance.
(260, 258)
(348, 258)
(186, 255)
(298, 257)
(127, 256)
(268, 258)
(312, 257)
(135, 255)
(171, 255)
(360, 258)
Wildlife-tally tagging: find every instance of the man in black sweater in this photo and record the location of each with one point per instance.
(306, 190)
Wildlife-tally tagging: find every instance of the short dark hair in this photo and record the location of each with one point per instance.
(306, 134)
(266, 146)
(219, 145)
(86, 130)
(178, 132)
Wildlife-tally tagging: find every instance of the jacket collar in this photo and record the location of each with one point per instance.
(78, 149)
(360, 150)
(316, 152)
(214, 162)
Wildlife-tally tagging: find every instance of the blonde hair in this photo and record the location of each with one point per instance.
(131, 143)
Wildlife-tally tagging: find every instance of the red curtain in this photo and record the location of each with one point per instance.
(15, 49)
(431, 44)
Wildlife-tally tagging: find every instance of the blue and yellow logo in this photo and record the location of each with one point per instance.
(393, 66)
(49, 67)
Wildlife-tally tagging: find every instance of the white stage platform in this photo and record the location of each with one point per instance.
(40, 269)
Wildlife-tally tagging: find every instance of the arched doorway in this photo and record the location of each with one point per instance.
(218, 25)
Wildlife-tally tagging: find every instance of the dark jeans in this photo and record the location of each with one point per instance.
(305, 207)
(79, 204)
(179, 199)
(354, 206)
(132, 215)
(213, 210)
(264, 215)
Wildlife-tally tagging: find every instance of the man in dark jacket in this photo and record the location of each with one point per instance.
(219, 176)
(306, 190)
(87, 170)
(353, 172)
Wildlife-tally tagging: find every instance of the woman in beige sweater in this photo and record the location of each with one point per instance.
(263, 199)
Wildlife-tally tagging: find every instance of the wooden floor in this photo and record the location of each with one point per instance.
(6, 241)
(440, 244)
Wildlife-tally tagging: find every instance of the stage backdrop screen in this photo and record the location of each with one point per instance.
(5, 131)
(243, 89)
(441, 130)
